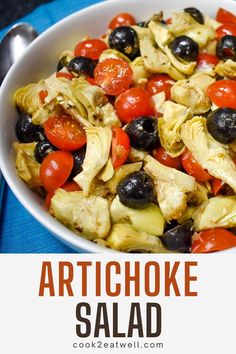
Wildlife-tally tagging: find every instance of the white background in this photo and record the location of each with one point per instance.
(31, 324)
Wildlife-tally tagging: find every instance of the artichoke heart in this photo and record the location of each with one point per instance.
(42, 114)
(140, 74)
(154, 59)
(219, 211)
(113, 54)
(96, 157)
(162, 37)
(159, 100)
(172, 187)
(149, 220)
(88, 216)
(226, 69)
(77, 93)
(60, 91)
(192, 92)
(137, 155)
(107, 172)
(200, 195)
(90, 96)
(169, 126)
(108, 117)
(27, 99)
(211, 155)
(28, 169)
(209, 21)
(124, 238)
(184, 24)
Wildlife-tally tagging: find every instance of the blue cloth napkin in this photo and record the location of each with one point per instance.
(19, 231)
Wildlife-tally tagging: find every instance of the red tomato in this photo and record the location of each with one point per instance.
(68, 187)
(55, 169)
(159, 83)
(71, 187)
(226, 29)
(193, 168)
(91, 48)
(169, 21)
(213, 240)
(161, 155)
(216, 185)
(206, 60)
(225, 16)
(223, 93)
(120, 146)
(42, 95)
(113, 75)
(123, 19)
(48, 199)
(68, 76)
(65, 133)
(133, 103)
(91, 80)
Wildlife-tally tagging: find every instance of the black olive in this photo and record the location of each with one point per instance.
(185, 48)
(62, 63)
(170, 225)
(26, 131)
(163, 22)
(226, 48)
(196, 14)
(179, 238)
(143, 133)
(78, 161)
(42, 149)
(40, 134)
(125, 40)
(141, 24)
(136, 190)
(221, 124)
(82, 65)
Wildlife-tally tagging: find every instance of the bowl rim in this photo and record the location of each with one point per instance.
(68, 237)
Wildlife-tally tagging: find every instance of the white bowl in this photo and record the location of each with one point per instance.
(40, 60)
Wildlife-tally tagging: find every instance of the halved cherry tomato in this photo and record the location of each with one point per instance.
(48, 199)
(42, 95)
(68, 187)
(65, 133)
(226, 29)
(71, 187)
(68, 76)
(91, 80)
(120, 146)
(216, 185)
(225, 16)
(223, 93)
(159, 83)
(133, 103)
(55, 169)
(213, 240)
(161, 155)
(113, 75)
(91, 48)
(206, 61)
(193, 168)
(123, 19)
(169, 21)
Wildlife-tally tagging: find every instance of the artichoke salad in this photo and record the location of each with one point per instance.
(131, 142)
